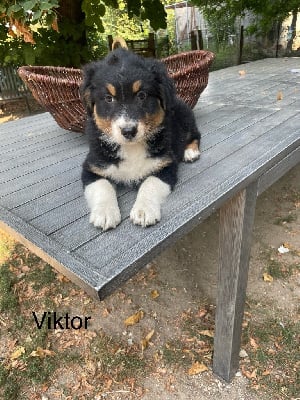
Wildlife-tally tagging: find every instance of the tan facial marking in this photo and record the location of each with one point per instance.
(153, 121)
(112, 90)
(136, 86)
(194, 145)
(104, 124)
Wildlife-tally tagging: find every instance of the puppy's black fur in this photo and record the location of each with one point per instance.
(132, 108)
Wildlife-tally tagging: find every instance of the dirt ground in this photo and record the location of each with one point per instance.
(186, 278)
(177, 290)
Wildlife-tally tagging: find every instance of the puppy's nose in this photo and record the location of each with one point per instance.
(129, 133)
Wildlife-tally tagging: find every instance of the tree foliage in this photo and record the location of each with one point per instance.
(60, 31)
(267, 11)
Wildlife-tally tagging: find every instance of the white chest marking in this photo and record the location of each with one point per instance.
(135, 164)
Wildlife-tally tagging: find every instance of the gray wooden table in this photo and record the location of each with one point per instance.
(250, 139)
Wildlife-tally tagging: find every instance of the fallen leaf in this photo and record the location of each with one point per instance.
(105, 312)
(154, 294)
(17, 353)
(134, 319)
(279, 96)
(267, 277)
(146, 340)
(253, 343)
(61, 278)
(207, 333)
(201, 313)
(249, 374)
(39, 352)
(242, 72)
(197, 368)
(266, 372)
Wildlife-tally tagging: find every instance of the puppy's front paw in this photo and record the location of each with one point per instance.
(191, 155)
(145, 213)
(192, 151)
(105, 217)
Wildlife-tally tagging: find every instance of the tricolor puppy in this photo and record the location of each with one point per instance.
(138, 132)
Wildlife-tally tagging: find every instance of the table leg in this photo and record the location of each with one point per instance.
(236, 223)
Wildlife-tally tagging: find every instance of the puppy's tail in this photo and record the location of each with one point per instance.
(119, 42)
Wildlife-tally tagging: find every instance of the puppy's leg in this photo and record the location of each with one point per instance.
(102, 201)
(192, 151)
(151, 195)
(193, 136)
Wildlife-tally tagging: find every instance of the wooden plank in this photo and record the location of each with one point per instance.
(280, 169)
(22, 181)
(37, 145)
(50, 201)
(18, 196)
(50, 251)
(236, 222)
(33, 161)
(17, 133)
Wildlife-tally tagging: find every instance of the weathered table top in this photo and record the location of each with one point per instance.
(247, 134)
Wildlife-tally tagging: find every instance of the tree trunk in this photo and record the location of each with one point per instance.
(70, 12)
(289, 46)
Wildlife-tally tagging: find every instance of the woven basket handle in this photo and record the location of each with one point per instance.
(119, 42)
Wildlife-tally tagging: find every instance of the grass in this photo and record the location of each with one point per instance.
(120, 362)
(27, 283)
(286, 219)
(276, 266)
(8, 299)
(276, 358)
(194, 345)
(37, 289)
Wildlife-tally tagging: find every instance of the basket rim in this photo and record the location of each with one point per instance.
(189, 52)
(208, 58)
(27, 72)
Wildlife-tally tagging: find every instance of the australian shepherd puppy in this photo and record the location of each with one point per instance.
(138, 132)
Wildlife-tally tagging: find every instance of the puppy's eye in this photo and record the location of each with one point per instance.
(108, 98)
(141, 95)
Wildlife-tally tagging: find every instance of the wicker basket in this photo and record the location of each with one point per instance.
(190, 73)
(57, 88)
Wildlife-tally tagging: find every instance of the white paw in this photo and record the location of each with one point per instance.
(102, 201)
(145, 213)
(105, 217)
(191, 155)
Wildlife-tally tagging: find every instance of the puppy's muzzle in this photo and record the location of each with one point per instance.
(129, 132)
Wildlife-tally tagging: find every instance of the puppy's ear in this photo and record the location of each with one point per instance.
(87, 86)
(167, 90)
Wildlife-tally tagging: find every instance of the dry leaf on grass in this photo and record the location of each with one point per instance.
(154, 294)
(249, 374)
(134, 319)
(267, 277)
(253, 343)
(197, 368)
(207, 333)
(17, 353)
(39, 352)
(146, 340)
